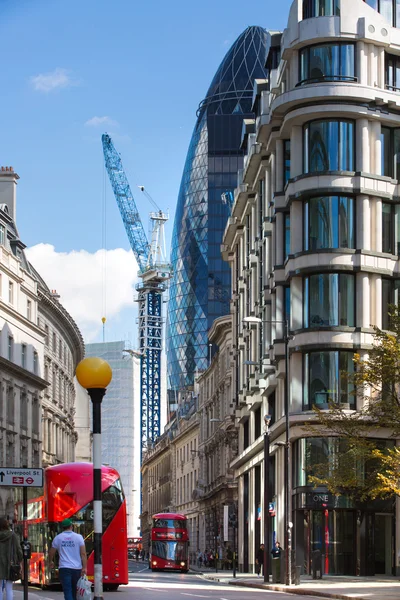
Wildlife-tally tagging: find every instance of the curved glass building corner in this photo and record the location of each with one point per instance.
(200, 287)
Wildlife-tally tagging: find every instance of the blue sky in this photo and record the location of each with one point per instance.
(72, 70)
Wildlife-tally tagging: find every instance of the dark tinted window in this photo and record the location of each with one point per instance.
(171, 523)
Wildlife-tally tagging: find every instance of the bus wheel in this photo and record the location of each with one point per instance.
(111, 587)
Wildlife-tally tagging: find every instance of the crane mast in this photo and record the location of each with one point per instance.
(154, 272)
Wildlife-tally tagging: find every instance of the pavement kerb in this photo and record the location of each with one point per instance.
(297, 590)
(282, 588)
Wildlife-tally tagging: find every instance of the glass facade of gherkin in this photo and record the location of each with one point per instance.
(200, 287)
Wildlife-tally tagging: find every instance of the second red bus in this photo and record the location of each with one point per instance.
(169, 545)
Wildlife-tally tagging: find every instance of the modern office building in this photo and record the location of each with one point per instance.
(120, 416)
(200, 287)
(313, 239)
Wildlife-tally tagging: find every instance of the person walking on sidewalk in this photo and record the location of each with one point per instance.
(260, 560)
(8, 540)
(72, 558)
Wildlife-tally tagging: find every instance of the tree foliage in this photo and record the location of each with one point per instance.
(366, 463)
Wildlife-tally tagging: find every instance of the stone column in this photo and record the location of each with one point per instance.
(296, 227)
(296, 151)
(372, 66)
(362, 63)
(362, 146)
(381, 66)
(363, 224)
(279, 238)
(296, 293)
(376, 146)
(279, 165)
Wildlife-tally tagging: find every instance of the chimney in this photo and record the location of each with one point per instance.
(8, 190)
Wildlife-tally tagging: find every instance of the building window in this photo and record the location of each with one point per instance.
(328, 146)
(390, 295)
(29, 310)
(23, 356)
(10, 405)
(390, 150)
(389, 9)
(329, 223)
(261, 201)
(390, 228)
(54, 343)
(46, 331)
(321, 8)
(11, 292)
(60, 350)
(392, 72)
(257, 423)
(329, 300)
(246, 434)
(327, 379)
(35, 363)
(24, 410)
(35, 416)
(286, 306)
(286, 161)
(2, 235)
(327, 62)
(286, 237)
(10, 349)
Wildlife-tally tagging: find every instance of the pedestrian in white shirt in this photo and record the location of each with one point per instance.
(72, 558)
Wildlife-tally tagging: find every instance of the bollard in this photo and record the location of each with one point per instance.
(297, 576)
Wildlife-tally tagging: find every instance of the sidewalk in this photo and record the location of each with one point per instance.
(380, 587)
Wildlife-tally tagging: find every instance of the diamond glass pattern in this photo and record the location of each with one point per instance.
(200, 287)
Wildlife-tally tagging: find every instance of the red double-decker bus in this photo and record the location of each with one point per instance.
(169, 546)
(68, 494)
(135, 547)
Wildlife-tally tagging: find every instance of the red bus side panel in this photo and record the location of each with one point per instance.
(114, 552)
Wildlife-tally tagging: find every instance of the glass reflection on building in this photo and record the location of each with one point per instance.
(200, 287)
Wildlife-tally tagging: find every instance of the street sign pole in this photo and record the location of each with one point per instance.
(25, 538)
(16, 477)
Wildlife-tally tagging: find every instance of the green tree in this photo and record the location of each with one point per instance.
(362, 467)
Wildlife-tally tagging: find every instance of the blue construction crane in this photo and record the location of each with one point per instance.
(154, 271)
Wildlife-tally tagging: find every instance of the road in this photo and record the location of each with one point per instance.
(146, 585)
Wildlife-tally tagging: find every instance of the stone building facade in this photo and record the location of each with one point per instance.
(218, 443)
(40, 346)
(313, 242)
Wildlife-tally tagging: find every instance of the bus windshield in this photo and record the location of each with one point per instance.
(112, 499)
(175, 551)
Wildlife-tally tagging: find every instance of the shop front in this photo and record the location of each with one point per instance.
(349, 541)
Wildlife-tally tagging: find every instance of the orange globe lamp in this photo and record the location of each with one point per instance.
(93, 373)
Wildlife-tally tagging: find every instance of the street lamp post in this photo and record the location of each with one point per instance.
(94, 374)
(267, 419)
(287, 521)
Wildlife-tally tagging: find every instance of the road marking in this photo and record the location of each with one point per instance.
(195, 595)
(146, 569)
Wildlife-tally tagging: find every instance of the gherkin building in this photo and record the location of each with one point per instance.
(200, 287)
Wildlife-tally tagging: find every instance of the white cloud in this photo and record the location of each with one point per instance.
(97, 121)
(56, 80)
(79, 277)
